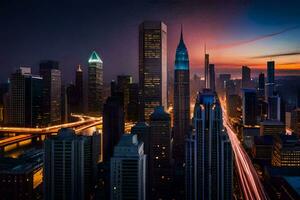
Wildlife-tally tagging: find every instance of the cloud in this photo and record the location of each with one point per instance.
(261, 37)
(295, 53)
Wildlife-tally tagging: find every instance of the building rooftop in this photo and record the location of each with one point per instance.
(95, 58)
(160, 114)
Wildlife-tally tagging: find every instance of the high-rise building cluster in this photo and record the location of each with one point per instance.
(145, 146)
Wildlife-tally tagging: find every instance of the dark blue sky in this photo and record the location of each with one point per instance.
(68, 31)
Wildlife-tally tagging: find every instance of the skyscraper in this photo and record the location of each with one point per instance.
(69, 165)
(181, 100)
(152, 66)
(261, 86)
(270, 84)
(25, 99)
(249, 103)
(113, 125)
(79, 89)
(246, 77)
(211, 77)
(160, 154)
(95, 85)
(212, 151)
(206, 69)
(124, 82)
(128, 169)
(274, 104)
(133, 105)
(49, 70)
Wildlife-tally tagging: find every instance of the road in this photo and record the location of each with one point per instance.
(248, 178)
(84, 121)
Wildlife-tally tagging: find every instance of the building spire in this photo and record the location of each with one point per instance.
(181, 33)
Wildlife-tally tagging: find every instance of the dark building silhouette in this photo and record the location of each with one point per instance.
(79, 90)
(134, 103)
(211, 77)
(124, 82)
(49, 70)
(113, 125)
(249, 107)
(152, 66)
(270, 84)
(246, 77)
(261, 86)
(206, 69)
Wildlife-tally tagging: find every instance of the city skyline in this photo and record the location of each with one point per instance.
(243, 33)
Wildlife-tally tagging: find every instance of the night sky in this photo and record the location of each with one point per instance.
(236, 32)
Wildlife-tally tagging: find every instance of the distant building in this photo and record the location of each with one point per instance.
(261, 86)
(51, 74)
(160, 154)
(70, 164)
(190, 160)
(152, 66)
(246, 77)
(95, 85)
(213, 165)
(274, 106)
(128, 169)
(272, 127)
(25, 99)
(233, 105)
(21, 178)
(212, 82)
(270, 84)
(286, 152)
(79, 89)
(3, 107)
(113, 125)
(221, 82)
(249, 106)
(206, 69)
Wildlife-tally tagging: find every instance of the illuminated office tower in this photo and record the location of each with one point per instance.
(25, 99)
(286, 151)
(246, 77)
(160, 154)
(69, 165)
(49, 71)
(206, 69)
(211, 77)
(181, 100)
(95, 85)
(249, 103)
(152, 66)
(270, 84)
(79, 89)
(128, 169)
(212, 152)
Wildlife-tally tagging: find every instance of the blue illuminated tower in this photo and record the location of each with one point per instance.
(181, 100)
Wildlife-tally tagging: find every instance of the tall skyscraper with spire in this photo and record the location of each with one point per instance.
(152, 66)
(95, 85)
(181, 100)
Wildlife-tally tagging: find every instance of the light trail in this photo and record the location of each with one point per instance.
(83, 120)
(249, 180)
